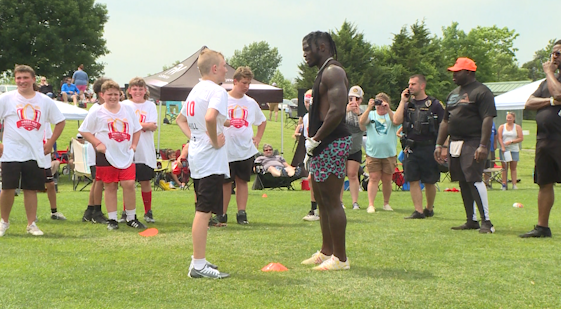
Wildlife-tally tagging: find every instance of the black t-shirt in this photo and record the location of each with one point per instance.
(435, 108)
(466, 107)
(548, 119)
(46, 89)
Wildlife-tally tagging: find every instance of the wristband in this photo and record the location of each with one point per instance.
(483, 146)
(551, 101)
(437, 146)
(98, 144)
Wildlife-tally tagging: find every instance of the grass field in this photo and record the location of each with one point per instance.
(395, 263)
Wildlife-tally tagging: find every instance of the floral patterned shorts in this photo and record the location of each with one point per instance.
(332, 160)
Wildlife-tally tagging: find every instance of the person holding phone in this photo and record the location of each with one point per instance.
(510, 137)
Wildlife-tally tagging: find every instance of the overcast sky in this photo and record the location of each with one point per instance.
(144, 35)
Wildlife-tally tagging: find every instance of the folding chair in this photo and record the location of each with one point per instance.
(292, 116)
(81, 170)
(162, 167)
(495, 172)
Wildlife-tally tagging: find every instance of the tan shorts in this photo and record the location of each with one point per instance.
(386, 165)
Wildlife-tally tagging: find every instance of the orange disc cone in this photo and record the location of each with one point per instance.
(149, 232)
(274, 267)
(264, 195)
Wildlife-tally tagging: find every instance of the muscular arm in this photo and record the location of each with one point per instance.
(486, 128)
(553, 85)
(398, 117)
(538, 103)
(442, 132)
(335, 81)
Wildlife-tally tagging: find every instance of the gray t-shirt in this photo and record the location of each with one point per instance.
(356, 133)
(80, 78)
(270, 161)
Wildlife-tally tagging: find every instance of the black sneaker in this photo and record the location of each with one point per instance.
(136, 224)
(207, 272)
(487, 227)
(99, 217)
(112, 225)
(428, 213)
(241, 216)
(148, 217)
(88, 214)
(222, 218)
(538, 231)
(469, 225)
(416, 215)
(215, 222)
(123, 217)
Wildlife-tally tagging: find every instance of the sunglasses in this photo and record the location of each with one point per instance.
(556, 53)
(267, 149)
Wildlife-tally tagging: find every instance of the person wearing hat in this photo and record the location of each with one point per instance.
(421, 116)
(468, 119)
(354, 159)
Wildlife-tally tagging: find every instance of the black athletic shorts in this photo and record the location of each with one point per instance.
(242, 169)
(548, 162)
(464, 167)
(357, 156)
(49, 175)
(144, 172)
(209, 194)
(421, 165)
(32, 176)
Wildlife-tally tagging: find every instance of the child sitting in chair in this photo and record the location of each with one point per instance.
(174, 180)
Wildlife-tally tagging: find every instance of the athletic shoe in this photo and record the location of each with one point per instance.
(222, 218)
(311, 216)
(370, 209)
(136, 224)
(416, 215)
(3, 227)
(504, 187)
(469, 225)
(514, 187)
(343, 205)
(214, 222)
(387, 207)
(356, 206)
(428, 213)
(487, 227)
(148, 217)
(57, 216)
(207, 272)
(538, 231)
(209, 264)
(123, 217)
(88, 214)
(333, 263)
(99, 217)
(316, 259)
(34, 230)
(241, 216)
(112, 225)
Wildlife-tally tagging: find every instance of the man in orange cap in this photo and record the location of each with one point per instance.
(468, 119)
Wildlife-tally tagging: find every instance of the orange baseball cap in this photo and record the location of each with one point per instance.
(463, 64)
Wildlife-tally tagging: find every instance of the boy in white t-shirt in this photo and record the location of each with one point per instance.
(202, 120)
(243, 112)
(145, 155)
(114, 131)
(25, 112)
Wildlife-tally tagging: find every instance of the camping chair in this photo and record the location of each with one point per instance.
(292, 116)
(265, 179)
(172, 110)
(81, 170)
(496, 173)
(163, 166)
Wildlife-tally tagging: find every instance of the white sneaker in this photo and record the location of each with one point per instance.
(343, 205)
(34, 230)
(387, 207)
(356, 206)
(370, 209)
(514, 187)
(333, 263)
(311, 216)
(3, 227)
(317, 258)
(57, 216)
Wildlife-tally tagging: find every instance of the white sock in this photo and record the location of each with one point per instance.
(199, 264)
(112, 215)
(131, 214)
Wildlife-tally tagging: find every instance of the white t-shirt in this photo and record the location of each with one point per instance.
(24, 126)
(115, 131)
(205, 160)
(243, 113)
(305, 124)
(145, 150)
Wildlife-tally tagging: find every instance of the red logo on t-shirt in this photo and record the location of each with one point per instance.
(238, 116)
(141, 116)
(119, 130)
(29, 117)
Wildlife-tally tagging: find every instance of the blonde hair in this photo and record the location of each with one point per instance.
(512, 114)
(384, 97)
(207, 59)
(22, 68)
(110, 84)
(137, 82)
(243, 72)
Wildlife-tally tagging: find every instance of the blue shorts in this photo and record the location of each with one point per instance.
(515, 155)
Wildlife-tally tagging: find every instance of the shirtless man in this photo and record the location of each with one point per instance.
(327, 148)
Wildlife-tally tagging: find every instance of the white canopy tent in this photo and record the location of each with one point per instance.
(71, 112)
(516, 99)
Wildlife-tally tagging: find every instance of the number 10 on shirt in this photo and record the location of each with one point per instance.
(191, 108)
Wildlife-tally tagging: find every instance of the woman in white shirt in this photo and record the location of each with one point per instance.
(510, 137)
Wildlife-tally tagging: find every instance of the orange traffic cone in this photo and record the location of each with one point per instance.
(264, 195)
(274, 267)
(149, 232)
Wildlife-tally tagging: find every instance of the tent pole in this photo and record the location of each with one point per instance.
(159, 124)
(282, 131)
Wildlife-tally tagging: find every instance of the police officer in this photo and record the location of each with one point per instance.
(421, 116)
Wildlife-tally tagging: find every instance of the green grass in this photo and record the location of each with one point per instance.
(395, 263)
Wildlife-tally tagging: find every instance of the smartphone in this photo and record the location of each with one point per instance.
(408, 93)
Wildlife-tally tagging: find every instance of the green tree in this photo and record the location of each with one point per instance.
(53, 37)
(289, 90)
(260, 57)
(534, 66)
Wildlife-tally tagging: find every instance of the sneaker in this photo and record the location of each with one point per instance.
(514, 187)
(88, 214)
(343, 205)
(57, 216)
(136, 224)
(207, 272)
(112, 225)
(34, 230)
(222, 218)
(428, 213)
(241, 216)
(356, 206)
(99, 217)
(370, 209)
(209, 264)
(123, 217)
(215, 222)
(316, 259)
(387, 207)
(416, 215)
(333, 263)
(487, 227)
(311, 216)
(538, 231)
(3, 227)
(469, 225)
(504, 187)
(148, 217)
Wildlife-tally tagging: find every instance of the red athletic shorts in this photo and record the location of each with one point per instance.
(109, 174)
